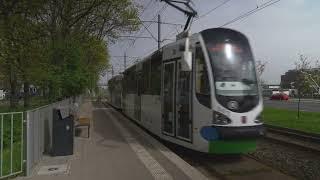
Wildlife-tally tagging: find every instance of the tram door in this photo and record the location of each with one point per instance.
(176, 101)
(183, 104)
(168, 100)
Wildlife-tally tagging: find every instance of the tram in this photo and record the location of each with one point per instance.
(200, 92)
(115, 91)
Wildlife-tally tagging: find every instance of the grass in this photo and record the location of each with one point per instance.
(308, 121)
(16, 159)
(35, 102)
(16, 146)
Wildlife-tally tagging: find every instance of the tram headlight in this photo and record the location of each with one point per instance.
(220, 119)
(259, 118)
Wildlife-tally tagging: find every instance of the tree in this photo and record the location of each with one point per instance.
(83, 21)
(21, 46)
(308, 78)
(59, 46)
(303, 82)
(104, 19)
(261, 65)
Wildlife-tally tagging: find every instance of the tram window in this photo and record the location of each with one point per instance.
(128, 82)
(131, 80)
(155, 84)
(125, 83)
(202, 80)
(145, 76)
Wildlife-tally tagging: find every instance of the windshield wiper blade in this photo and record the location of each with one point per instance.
(248, 81)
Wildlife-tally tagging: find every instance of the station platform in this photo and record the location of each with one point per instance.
(117, 149)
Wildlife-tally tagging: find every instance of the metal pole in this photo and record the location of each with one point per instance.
(112, 72)
(1, 151)
(299, 106)
(11, 145)
(125, 61)
(159, 31)
(22, 140)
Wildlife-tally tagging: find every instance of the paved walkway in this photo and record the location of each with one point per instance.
(117, 149)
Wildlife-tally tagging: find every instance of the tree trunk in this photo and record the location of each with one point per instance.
(26, 94)
(13, 94)
(13, 89)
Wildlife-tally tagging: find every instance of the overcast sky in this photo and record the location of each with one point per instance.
(277, 33)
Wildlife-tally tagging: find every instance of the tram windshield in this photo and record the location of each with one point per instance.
(233, 68)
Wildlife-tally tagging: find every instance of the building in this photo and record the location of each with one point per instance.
(291, 76)
(269, 89)
(288, 79)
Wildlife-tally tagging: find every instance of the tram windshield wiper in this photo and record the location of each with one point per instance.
(248, 81)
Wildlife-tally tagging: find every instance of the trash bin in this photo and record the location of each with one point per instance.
(62, 134)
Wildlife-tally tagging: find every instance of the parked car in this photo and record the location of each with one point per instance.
(279, 96)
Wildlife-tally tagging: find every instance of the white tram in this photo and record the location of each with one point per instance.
(115, 91)
(200, 92)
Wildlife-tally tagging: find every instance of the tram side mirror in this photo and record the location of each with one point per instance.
(186, 64)
(186, 57)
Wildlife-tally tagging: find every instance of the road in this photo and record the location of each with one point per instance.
(305, 105)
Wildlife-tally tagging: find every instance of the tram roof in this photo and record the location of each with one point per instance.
(206, 31)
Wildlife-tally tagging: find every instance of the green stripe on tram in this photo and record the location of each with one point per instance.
(232, 146)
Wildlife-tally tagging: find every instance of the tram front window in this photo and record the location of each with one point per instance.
(233, 69)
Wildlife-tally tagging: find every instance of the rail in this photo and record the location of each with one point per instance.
(291, 137)
(294, 133)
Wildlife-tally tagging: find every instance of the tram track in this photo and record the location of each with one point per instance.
(223, 167)
(309, 142)
(291, 151)
(227, 167)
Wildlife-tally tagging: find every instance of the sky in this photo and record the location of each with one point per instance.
(277, 34)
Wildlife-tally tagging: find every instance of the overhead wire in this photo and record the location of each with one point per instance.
(145, 7)
(146, 27)
(245, 15)
(149, 3)
(215, 8)
(150, 32)
(160, 11)
(262, 6)
(201, 16)
(242, 16)
(171, 33)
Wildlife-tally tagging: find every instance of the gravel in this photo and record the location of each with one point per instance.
(290, 160)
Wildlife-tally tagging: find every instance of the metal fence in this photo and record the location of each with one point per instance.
(11, 144)
(39, 130)
(26, 136)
